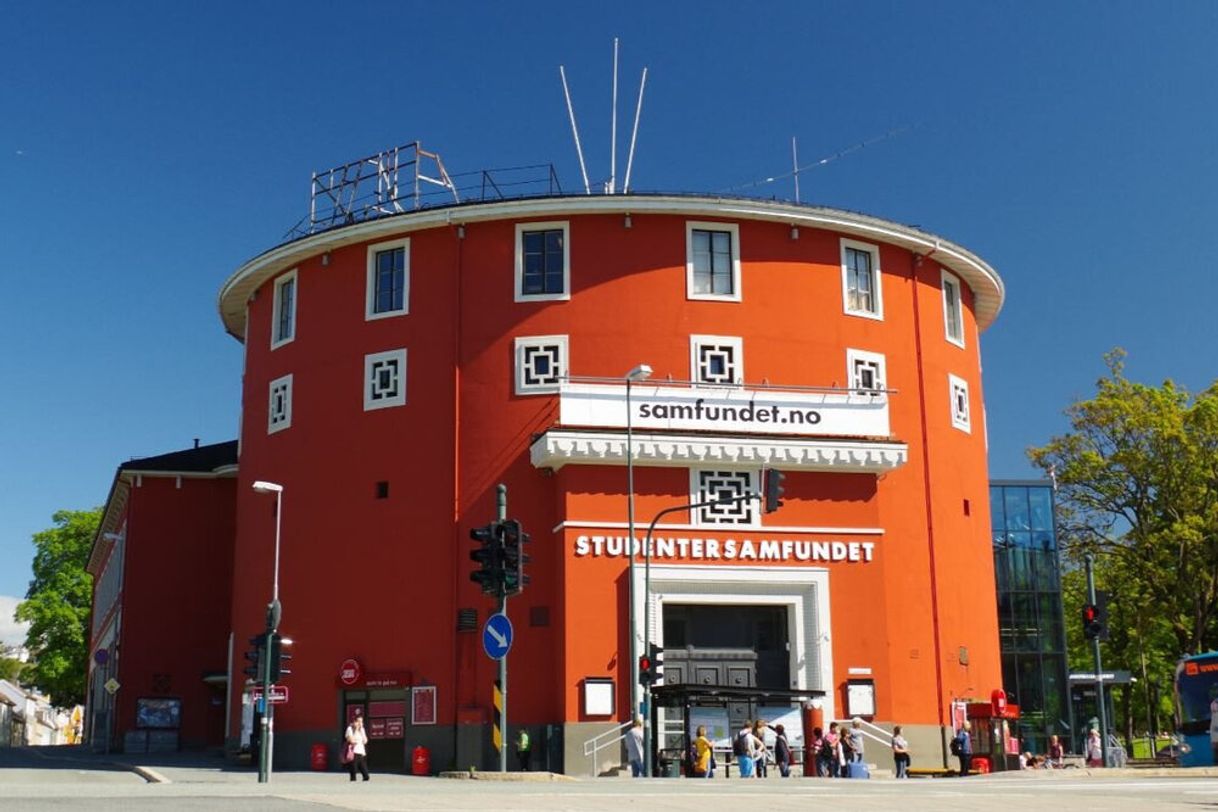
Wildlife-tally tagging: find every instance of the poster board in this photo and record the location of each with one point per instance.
(716, 722)
(791, 719)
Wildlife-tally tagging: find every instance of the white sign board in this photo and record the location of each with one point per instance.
(791, 719)
(838, 413)
(716, 723)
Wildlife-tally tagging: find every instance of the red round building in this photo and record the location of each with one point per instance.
(397, 370)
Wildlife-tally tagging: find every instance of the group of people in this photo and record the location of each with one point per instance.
(840, 747)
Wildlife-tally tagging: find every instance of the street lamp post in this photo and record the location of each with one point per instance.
(273, 614)
(640, 373)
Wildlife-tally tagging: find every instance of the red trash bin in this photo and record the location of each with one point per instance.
(420, 761)
(982, 764)
(319, 757)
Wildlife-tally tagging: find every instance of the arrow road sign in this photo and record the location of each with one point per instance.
(497, 636)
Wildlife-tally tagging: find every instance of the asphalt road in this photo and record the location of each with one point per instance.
(52, 780)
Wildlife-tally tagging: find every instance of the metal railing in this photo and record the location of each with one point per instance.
(882, 736)
(610, 737)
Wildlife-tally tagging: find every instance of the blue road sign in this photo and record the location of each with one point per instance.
(497, 636)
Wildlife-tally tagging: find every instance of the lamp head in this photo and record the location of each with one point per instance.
(268, 487)
(640, 373)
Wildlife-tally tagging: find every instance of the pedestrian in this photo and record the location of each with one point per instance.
(816, 746)
(782, 751)
(1057, 755)
(763, 752)
(962, 748)
(524, 749)
(744, 749)
(845, 752)
(1095, 751)
(900, 753)
(831, 752)
(357, 747)
(634, 747)
(703, 755)
(856, 739)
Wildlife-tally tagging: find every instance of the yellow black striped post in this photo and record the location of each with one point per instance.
(497, 725)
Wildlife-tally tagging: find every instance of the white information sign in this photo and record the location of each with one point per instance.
(838, 413)
(716, 723)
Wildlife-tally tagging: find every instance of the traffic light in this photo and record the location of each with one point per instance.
(1093, 626)
(278, 657)
(488, 557)
(773, 489)
(254, 655)
(657, 662)
(514, 557)
(1101, 613)
(645, 676)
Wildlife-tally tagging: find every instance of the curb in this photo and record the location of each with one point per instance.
(147, 773)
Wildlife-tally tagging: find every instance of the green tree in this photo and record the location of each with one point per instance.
(57, 606)
(1137, 478)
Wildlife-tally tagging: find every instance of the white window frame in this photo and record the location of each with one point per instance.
(369, 361)
(737, 345)
(271, 426)
(697, 225)
(853, 357)
(877, 279)
(950, 282)
(551, 225)
(278, 341)
(960, 420)
(370, 294)
(754, 505)
(564, 356)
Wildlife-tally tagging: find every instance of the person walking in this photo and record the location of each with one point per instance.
(634, 747)
(962, 748)
(900, 753)
(357, 739)
(1095, 751)
(703, 754)
(763, 752)
(524, 749)
(856, 740)
(744, 749)
(782, 751)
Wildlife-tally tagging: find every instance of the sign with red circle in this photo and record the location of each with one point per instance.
(350, 672)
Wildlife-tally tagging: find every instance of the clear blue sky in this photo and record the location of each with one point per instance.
(148, 149)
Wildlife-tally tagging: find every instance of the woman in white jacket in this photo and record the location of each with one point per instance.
(357, 739)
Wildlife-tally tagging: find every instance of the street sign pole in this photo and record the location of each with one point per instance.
(501, 515)
(1099, 671)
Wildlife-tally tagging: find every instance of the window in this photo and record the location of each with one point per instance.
(543, 262)
(716, 359)
(707, 485)
(959, 390)
(861, 292)
(953, 314)
(283, 311)
(712, 261)
(279, 413)
(541, 364)
(384, 380)
(865, 371)
(388, 279)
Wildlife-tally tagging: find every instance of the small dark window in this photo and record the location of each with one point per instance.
(389, 293)
(967, 508)
(382, 490)
(539, 616)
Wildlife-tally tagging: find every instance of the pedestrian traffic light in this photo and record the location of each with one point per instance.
(254, 655)
(278, 658)
(645, 675)
(514, 557)
(488, 557)
(773, 489)
(1101, 613)
(1093, 627)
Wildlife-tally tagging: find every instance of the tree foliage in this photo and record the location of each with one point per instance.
(1137, 479)
(57, 606)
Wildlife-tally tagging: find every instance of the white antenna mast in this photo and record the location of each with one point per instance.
(579, 150)
(613, 128)
(795, 167)
(635, 132)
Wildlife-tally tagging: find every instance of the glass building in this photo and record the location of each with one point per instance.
(1030, 626)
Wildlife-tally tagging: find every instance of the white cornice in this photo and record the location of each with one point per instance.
(987, 286)
(559, 447)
